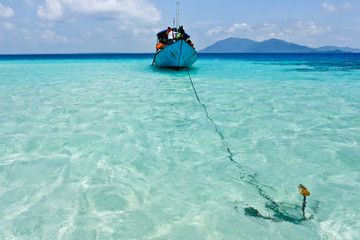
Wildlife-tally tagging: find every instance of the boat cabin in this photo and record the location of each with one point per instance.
(178, 33)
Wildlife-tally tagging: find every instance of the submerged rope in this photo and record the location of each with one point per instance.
(277, 208)
(210, 119)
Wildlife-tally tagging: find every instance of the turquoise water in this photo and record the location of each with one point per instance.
(109, 147)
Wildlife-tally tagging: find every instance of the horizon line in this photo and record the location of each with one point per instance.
(200, 52)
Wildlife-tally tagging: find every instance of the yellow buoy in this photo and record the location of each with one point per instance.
(303, 191)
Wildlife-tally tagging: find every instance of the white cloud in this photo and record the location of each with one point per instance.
(52, 10)
(110, 9)
(235, 28)
(269, 27)
(332, 8)
(328, 6)
(238, 26)
(99, 30)
(6, 12)
(145, 31)
(310, 28)
(272, 35)
(288, 31)
(24, 31)
(29, 2)
(137, 29)
(347, 5)
(50, 36)
(8, 26)
(214, 31)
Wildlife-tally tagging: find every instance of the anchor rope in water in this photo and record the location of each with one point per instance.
(250, 179)
(245, 176)
(210, 119)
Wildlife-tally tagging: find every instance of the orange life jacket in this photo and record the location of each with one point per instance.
(159, 45)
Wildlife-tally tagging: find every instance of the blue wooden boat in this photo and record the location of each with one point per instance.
(175, 53)
(179, 54)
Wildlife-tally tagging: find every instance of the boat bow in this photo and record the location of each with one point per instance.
(179, 54)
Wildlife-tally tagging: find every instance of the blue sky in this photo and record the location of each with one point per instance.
(77, 26)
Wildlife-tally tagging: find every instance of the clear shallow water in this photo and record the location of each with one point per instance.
(108, 147)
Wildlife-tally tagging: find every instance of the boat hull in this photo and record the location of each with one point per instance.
(179, 54)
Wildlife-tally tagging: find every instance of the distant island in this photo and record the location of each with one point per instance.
(273, 45)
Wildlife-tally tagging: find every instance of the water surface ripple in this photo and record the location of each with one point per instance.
(108, 147)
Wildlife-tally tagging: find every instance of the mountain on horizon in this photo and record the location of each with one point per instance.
(273, 45)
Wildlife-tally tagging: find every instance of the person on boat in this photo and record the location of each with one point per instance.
(168, 30)
(181, 33)
(170, 36)
(179, 36)
(175, 34)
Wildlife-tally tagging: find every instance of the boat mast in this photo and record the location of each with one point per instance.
(177, 15)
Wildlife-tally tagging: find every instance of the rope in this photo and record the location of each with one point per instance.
(210, 119)
(277, 208)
